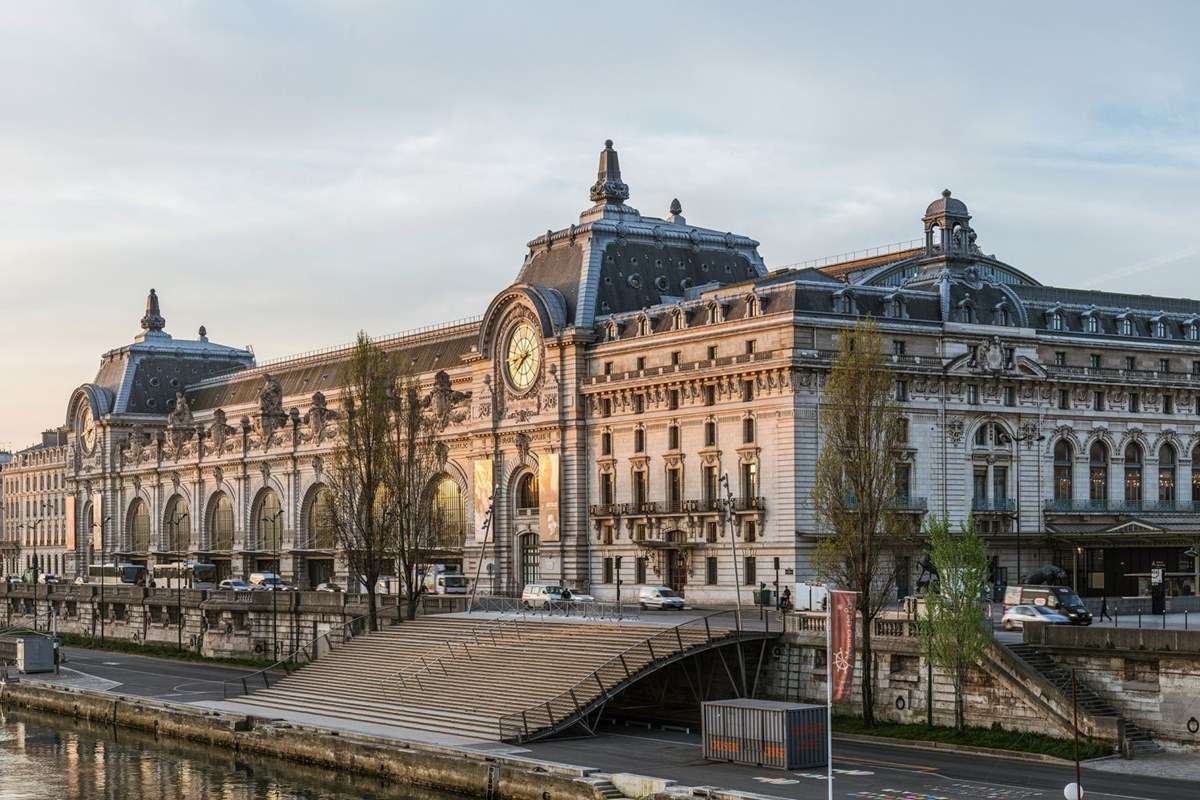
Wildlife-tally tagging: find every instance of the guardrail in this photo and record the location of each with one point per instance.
(581, 698)
(306, 653)
(429, 665)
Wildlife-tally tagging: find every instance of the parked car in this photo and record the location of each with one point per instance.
(1059, 599)
(10, 579)
(658, 597)
(269, 582)
(1017, 616)
(328, 587)
(541, 595)
(575, 596)
(52, 580)
(235, 585)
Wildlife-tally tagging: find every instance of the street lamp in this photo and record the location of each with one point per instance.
(274, 520)
(1018, 438)
(179, 572)
(737, 586)
(33, 537)
(91, 526)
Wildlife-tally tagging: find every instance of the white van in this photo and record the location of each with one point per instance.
(439, 580)
(541, 595)
(658, 597)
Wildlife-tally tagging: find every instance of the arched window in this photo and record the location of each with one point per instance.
(531, 557)
(1126, 326)
(1196, 477)
(1133, 475)
(177, 525)
(1160, 329)
(1056, 321)
(450, 513)
(1193, 331)
(139, 526)
(1098, 474)
(527, 492)
(1064, 460)
(220, 522)
(1093, 324)
(318, 522)
(1166, 476)
(267, 520)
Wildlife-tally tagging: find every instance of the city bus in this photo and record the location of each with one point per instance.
(117, 574)
(184, 575)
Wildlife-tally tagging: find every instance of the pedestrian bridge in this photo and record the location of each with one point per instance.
(506, 677)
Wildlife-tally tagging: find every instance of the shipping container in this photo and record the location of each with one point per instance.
(766, 733)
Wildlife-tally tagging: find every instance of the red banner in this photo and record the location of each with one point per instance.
(841, 643)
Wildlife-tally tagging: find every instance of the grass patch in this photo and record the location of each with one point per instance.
(997, 738)
(155, 650)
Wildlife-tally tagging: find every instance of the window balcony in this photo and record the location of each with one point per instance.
(1056, 506)
(984, 505)
(750, 504)
(910, 505)
(604, 510)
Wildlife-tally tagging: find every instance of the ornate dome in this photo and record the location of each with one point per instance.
(947, 206)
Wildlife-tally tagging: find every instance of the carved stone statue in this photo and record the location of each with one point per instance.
(445, 403)
(270, 397)
(220, 431)
(181, 414)
(318, 417)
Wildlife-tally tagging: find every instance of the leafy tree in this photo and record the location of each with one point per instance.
(854, 490)
(953, 626)
(361, 514)
(414, 459)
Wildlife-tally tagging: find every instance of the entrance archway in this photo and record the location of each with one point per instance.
(674, 562)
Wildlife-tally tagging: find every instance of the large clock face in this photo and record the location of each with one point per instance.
(87, 428)
(524, 356)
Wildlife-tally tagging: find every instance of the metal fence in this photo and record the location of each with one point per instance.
(304, 654)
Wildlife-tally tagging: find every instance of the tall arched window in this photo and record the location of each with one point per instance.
(267, 520)
(527, 492)
(1166, 476)
(220, 522)
(177, 524)
(531, 558)
(1098, 474)
(451, 513)
(1064, 462)
(1196, 477)
(318, 522)
(1133, 475)
(139, 526)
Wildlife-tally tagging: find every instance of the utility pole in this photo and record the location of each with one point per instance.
(180, 571)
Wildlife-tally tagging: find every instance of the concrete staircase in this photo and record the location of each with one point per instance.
(1138, 740)
(461, 676)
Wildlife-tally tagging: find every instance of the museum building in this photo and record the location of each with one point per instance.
(644, 375)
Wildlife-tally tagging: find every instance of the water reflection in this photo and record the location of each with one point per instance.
(44, 757)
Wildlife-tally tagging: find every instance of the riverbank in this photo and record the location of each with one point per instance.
(462, 771)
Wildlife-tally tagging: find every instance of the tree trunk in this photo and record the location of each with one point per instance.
(960, 712)
(372, 607)
(868, 672)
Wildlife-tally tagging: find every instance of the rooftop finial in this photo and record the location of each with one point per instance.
(153, 318)
(945, 192)
(676, 213)
(608, 187)
(676, 206)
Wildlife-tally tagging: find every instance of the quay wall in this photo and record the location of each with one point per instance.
(404, 763)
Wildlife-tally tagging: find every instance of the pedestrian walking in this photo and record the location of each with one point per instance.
(785, 599)
(1104, 609)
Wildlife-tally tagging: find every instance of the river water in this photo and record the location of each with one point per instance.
(44, 757)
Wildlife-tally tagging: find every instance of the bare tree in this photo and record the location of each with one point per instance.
(360, 513)
(953, 625)
(414, 459)
(854, 490)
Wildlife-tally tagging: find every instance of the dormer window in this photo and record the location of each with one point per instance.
(613, 331)
(1091, 323)
(752, 305)
(643, 326)
(1193, 331)
(1056, 321)
(893, 307)
(1160, 329)
(965, 312)
(1001, 315)
(1125, 326)
(677, 320)
(843, 302)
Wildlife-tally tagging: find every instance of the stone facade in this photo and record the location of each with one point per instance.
(643, 372)
(36, 527)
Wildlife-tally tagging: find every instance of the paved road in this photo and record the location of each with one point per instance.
(156, 678)
(862, 771)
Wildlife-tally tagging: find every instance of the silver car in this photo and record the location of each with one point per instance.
(1017, 616)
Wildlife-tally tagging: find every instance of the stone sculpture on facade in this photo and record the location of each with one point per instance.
(444, 403)
(220, 431)
(271, 416)
(180, 425)
(318, 418)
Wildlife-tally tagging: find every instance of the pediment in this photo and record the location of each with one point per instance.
(1134, 526)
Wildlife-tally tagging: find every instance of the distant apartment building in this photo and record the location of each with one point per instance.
(36, 526)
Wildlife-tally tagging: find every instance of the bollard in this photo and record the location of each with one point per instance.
(1139, 620)
(1164, 620)
(1185, 613)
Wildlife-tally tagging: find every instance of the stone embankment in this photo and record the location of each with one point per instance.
(413, 764)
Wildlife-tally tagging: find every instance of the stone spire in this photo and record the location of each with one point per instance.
(153, 319)
(608, 187)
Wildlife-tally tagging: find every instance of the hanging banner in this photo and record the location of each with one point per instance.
(548, 522)
(481, 493)
(841, 643)
(71, 523)
(97, 525)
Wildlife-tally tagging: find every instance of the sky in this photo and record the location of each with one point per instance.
(287, 174)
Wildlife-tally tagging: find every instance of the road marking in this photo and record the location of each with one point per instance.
(886, 764)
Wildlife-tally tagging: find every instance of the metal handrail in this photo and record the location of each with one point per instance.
(415, 670)
(518, 722)
(347, 631)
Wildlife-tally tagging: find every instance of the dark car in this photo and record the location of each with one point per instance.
(1070, 606)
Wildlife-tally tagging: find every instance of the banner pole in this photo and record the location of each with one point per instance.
(829, 692)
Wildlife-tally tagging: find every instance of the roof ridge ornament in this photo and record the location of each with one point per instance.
(153, 319)
(608, 187)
